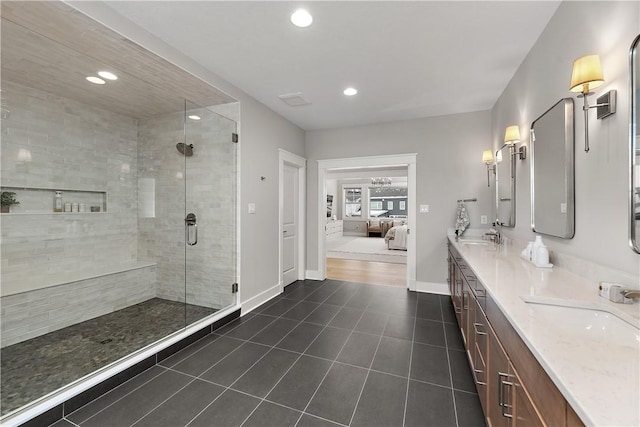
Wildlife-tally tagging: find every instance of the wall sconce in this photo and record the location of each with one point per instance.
(511, 138)
(487, 159)
(586, 75)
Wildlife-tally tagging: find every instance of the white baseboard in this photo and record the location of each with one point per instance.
(313, 275)
(433, 288)
(261, 298)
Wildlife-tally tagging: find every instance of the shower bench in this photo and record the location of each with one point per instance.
(35, 305)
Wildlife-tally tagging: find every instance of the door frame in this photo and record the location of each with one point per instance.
(300, 163)
(408, 160)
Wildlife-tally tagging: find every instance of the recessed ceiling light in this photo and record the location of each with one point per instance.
(194, 117)
(301, 18)
(350, 91)
(107, 75)
(96, 80)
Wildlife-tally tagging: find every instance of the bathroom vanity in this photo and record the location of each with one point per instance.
(543, 347)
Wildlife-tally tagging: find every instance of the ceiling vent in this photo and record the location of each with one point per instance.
(294, 99)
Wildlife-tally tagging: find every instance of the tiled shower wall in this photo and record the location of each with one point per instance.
(72, 146)
(209, 182)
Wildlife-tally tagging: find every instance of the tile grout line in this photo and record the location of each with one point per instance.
(163, 402)
(117, 400)
(453, 396)
(355, 408)
(334, 362)
(413, 340)
(298, 358)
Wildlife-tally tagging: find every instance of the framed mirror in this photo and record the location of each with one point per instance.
(552, 171)
(505, 187)
(634, 149)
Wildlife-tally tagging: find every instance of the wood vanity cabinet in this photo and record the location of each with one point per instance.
(513, 388)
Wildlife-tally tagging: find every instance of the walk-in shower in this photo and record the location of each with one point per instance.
(98, 261)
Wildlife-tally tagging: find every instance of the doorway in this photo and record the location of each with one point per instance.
(355, 212)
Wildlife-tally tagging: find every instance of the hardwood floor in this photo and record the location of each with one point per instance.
(375, 273)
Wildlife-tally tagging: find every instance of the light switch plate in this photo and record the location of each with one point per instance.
(252, 208)
(483, 219)
(424, 208)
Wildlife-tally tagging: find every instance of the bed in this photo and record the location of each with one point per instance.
(396, 237)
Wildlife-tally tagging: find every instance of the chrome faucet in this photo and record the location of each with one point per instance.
(494, 236)
(631, 293)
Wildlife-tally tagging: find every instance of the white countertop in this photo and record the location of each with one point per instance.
(598, 376)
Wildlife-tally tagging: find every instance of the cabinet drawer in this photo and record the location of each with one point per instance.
(548, 400)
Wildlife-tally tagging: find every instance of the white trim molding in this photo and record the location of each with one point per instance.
(432, 288)
(400, 160)
(264, 296)
(313, 275)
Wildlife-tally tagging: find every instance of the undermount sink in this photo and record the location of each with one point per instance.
(586, 323)
(473, 241)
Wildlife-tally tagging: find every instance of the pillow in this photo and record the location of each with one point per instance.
(398, 222)
(374, 223)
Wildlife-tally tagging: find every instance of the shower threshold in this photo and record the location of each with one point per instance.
(38, 366)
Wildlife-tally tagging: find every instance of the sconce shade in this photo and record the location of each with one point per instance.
(512, 135)
(586, 74)
(487, 157)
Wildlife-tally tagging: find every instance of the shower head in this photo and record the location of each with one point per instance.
(184, 149)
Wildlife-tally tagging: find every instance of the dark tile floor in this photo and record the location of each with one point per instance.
(38, 366)
(321, 354)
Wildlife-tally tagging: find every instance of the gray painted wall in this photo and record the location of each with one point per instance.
(580, 28)
(449, 167)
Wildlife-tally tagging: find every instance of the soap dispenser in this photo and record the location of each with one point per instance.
(540, 252)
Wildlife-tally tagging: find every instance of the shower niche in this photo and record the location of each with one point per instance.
(34, 200)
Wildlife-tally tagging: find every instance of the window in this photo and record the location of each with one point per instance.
(390, 205)
(403, 205)
(375, 205)
(353, 202)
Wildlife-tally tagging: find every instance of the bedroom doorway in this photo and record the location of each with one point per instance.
(365, 198)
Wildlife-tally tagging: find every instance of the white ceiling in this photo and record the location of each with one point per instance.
(408, 59)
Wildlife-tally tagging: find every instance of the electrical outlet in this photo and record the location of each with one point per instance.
(424, 208)
(563, 208)
(483, 219)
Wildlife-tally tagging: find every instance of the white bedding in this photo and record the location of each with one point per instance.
(396, 238)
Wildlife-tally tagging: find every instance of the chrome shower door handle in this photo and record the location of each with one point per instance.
(190, 223)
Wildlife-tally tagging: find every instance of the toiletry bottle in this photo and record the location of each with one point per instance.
(74, 207)
(57, 202)
(542, 253)
(528, 252)
(67, 206)
(534, 249)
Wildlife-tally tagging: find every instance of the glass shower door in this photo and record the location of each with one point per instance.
(210, 212)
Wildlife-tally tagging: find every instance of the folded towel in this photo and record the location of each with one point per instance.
(462, 219)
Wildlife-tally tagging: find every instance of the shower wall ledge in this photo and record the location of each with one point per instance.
(17, 284)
